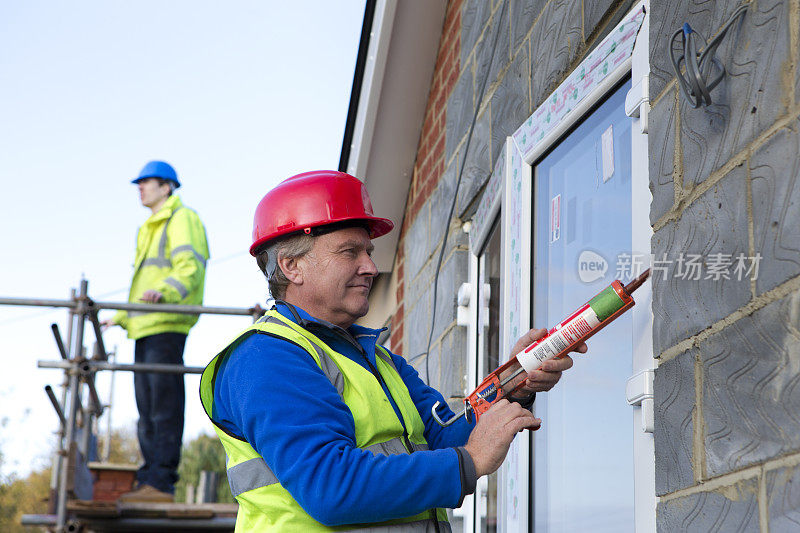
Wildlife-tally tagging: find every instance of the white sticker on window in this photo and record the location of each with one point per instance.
(608, 153)
(555, 218)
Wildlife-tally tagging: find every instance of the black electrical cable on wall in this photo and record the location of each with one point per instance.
(426, 353)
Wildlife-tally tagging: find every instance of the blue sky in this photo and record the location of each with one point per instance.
(236, 95)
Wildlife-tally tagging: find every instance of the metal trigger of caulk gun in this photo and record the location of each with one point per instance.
(452, 421)
(478, 395)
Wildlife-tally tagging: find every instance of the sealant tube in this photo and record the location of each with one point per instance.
(587, 320)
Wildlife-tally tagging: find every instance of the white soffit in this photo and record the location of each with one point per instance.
(398, 74)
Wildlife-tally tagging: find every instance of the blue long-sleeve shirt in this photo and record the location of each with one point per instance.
(272, 393)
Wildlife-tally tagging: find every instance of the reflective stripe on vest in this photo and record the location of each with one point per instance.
(250, 475)
(264, 503)
(162, 260)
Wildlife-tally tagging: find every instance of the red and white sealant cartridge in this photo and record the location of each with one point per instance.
(565, 337)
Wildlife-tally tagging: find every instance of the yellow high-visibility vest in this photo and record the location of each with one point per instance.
(171, 256)
(264, 505)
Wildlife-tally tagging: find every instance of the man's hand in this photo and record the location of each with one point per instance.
(545, 377)
(489, 441)
(105, 324)
(151, 296)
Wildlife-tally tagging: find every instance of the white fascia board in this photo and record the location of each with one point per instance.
(379, 39)
(401, 57)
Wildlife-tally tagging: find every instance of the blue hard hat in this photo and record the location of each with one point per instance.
(158, 169)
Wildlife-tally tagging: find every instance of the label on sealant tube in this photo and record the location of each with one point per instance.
(558, 339)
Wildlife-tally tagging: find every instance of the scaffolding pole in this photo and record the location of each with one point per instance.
(79, 372)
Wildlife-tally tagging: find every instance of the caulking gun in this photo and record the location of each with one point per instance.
(567, 335)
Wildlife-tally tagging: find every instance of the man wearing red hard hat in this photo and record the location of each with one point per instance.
(324, 428)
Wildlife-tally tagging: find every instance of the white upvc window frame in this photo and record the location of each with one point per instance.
(509, 192)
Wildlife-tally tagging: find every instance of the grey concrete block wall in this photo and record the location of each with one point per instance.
(751, 99)
(783, 507)
(733, 509)
(727, 182)
(416, 243)
(474, 17)
(493, 52)
(459, 113)
(452, 380)
(663, 168)
(674, 423)
(441, 202)
(556, 39)
(477, 165)
(751, 388)
(510, 103)
(774, 170)
(453, 271)
(716, 223)
(523, 13)
(418, 323)
(593, 13)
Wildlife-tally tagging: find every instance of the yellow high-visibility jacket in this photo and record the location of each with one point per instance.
(171, 255)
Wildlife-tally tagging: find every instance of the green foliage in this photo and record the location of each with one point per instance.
(23, 496)
(124, 446)
(203, 453)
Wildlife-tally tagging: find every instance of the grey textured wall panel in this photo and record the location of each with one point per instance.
(776, 208)
(523, 14)
(661, 146)
(460, 109)
(477, 165)
(500, 56)
(454, 270)
(674, 426)
(430, 370)
(441, 201)
(796, 69)
(748, 101)
(715, 223)
(783, 494)
(593, 12)
(510, 105)
(418, 285)
(712, 511)
(418, 323)
(557, 36)
(416, 248)
(751, 388)
(453, 371)
(474, 16)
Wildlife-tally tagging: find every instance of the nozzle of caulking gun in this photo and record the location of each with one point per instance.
(635, 284)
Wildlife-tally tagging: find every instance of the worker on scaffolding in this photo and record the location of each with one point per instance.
(318, 421)
(170, 267)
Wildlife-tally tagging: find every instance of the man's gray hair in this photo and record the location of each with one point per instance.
(293, 247)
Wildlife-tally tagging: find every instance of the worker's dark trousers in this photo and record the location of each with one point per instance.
(160, 399)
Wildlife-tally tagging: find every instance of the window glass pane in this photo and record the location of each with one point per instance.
(583, 455)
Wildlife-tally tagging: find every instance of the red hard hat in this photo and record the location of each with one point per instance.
(313, 199)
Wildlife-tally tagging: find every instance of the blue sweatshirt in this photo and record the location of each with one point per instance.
(271, 393)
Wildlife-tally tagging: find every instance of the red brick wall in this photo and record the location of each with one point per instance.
(109, 484)
(430, 161)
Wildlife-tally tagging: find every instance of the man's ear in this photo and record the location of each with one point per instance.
(291, 269)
